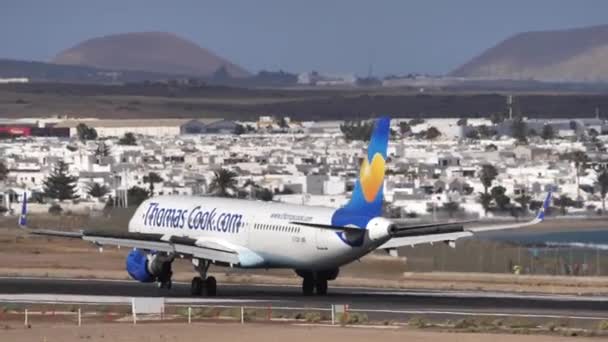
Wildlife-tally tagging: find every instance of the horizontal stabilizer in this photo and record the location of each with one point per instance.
(325, 226)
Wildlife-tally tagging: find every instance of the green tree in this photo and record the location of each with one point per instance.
(486, 132)
(3, 171)
(461, 122)
(498, 194)
(97, 190)
(102, 151)
(239, 129)
(416, 121)
(451, 207)
(535, 205)
(548, 132)
(497, 118)
(137, 195)
(519, 129)
(59, 184)
(358, 130)
(593, 133)
(432, 133)
(152, 178)
(472, 134)
(264, 194)
(563, 202)
(487, 175)
(581, 161)
(224, 183)
(524, 201)
(85, 132)
(128, 139)
(404, 128)
(486, 200)
(602, 182)
(283, 123)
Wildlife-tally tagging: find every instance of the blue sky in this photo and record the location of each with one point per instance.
(430, 36)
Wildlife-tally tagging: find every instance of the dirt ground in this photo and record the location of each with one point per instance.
(161, 332)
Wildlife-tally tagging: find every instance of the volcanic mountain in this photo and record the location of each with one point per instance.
(572, 55)
(159, 52)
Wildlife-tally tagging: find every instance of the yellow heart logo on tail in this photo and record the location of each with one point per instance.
(371, 177)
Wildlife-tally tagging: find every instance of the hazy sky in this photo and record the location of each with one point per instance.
(396, 36)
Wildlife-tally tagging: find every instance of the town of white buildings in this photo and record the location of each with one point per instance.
(309, 162)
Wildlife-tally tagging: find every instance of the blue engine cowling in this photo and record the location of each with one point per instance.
(137, 266)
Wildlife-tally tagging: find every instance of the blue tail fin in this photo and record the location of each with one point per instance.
(368, 194)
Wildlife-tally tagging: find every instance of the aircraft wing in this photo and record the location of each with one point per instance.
(181, 246)
(450, 232)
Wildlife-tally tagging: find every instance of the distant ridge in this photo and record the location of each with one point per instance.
(158, 52)
(572, 55)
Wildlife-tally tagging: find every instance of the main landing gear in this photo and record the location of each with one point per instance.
(315, 282)
(203, 285)
(161, 265)
(311, 285)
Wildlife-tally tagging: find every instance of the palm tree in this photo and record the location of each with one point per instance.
(151, 179)
(485, 199)
(3, 171)
(97, 190)
(602, 181)
(580, 160)
(224, 183)
(487, 176)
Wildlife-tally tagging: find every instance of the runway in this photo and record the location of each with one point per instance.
(384, 302)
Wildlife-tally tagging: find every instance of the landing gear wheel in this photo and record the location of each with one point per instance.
(308, 285)
(321, 287)
(211, 285)
(165, 284)
(196, 288)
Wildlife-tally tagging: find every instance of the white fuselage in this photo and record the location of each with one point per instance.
(263, 233)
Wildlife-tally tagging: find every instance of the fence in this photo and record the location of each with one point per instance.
(92, 313)
(497, 257)
(341, 314)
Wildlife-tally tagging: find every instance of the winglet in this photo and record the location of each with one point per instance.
(23, 216)
(546, 204)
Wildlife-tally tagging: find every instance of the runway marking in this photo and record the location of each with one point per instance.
(482, 294)
(92, 299)
(479, 313)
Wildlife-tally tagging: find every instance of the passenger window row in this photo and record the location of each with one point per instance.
(278, 228)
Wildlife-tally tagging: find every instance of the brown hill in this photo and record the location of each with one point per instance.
(147, 51)
(567, 55)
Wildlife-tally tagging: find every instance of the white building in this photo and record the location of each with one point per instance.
(117, 128)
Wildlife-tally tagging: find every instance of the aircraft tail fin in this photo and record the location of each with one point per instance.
(368, 193)
(23, 216)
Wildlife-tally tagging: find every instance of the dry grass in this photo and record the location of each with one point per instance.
(161, 332)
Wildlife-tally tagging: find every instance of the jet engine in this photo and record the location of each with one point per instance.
(379, 228)
(149, 267)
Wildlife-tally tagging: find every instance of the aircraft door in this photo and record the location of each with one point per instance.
(244, 230)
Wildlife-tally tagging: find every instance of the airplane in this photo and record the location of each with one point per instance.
(314, 241)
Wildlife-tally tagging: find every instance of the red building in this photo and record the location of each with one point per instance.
(19, 131)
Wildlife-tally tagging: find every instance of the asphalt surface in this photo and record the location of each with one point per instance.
(392, 302)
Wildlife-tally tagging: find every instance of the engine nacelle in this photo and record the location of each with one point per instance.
(137, 266)
(379, 228)
(150, 267)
